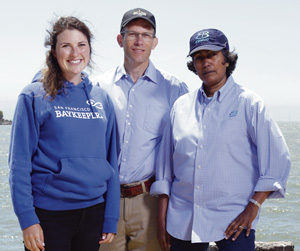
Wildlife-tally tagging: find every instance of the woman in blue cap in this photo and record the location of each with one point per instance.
(221, 156)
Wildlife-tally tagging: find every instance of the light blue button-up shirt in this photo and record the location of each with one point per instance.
(214, 155)
(142, 110)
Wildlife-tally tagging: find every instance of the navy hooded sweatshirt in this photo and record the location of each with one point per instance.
(63, 153)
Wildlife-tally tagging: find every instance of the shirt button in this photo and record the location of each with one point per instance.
(198, 187)
(198, 167)
(197, 206)
(133, 89)
(130, 106)
(208, 109)
(201, 146)
(204, 127)
(126, 141)
(128, 123)
(124, 160)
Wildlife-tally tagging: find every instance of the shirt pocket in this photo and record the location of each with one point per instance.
(155, 119)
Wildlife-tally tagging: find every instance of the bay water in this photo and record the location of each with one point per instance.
(279, 218)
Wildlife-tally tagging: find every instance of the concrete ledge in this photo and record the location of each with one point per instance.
(265, 246)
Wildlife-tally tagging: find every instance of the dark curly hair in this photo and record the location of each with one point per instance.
(52, 77)
(230, 58)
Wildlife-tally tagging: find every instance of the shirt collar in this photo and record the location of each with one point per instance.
(150, 73)
(220, 94)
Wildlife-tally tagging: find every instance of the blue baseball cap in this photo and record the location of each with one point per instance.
(208, 39)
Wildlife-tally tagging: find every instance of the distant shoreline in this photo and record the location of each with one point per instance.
(5, 122)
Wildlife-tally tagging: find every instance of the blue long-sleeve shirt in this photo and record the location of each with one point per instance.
(214, 155)
(141, 109)
(63, 152)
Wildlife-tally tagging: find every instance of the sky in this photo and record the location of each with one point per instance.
(265, 34)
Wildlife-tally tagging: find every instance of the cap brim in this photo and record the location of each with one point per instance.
(206, 47)
(137, 17)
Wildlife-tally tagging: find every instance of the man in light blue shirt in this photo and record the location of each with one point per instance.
(142, 97)
(221, 156)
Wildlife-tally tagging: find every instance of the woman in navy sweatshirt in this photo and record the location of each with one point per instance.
(63, 162)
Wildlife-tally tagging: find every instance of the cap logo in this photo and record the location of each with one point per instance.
(139, 13)
(202, 36)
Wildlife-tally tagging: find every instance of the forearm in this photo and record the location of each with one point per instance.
(162, 235)
(162, 206)
(260, 197)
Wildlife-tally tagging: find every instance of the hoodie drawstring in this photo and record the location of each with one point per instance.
(88, 97)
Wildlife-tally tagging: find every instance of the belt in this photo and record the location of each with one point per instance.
(134, 189)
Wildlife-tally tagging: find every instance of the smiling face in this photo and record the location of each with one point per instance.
(137, 51)
(211, 68)
(72, 53)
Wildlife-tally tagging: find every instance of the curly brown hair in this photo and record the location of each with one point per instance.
(52, 77)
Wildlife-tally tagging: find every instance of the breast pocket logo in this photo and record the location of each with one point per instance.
(233, 113)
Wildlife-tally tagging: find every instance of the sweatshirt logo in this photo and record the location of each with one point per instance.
(94, 103)
(79, 112)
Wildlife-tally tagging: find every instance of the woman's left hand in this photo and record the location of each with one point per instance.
(107, 238)
(244, 220)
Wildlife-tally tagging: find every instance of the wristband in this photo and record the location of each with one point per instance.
(255, 202)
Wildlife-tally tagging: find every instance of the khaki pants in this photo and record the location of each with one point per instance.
(137, 226)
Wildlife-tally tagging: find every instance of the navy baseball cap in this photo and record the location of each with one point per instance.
(208, 39)
(138, 13)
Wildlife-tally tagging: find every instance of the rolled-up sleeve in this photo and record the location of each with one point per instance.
(273, 155)
(164, 164)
